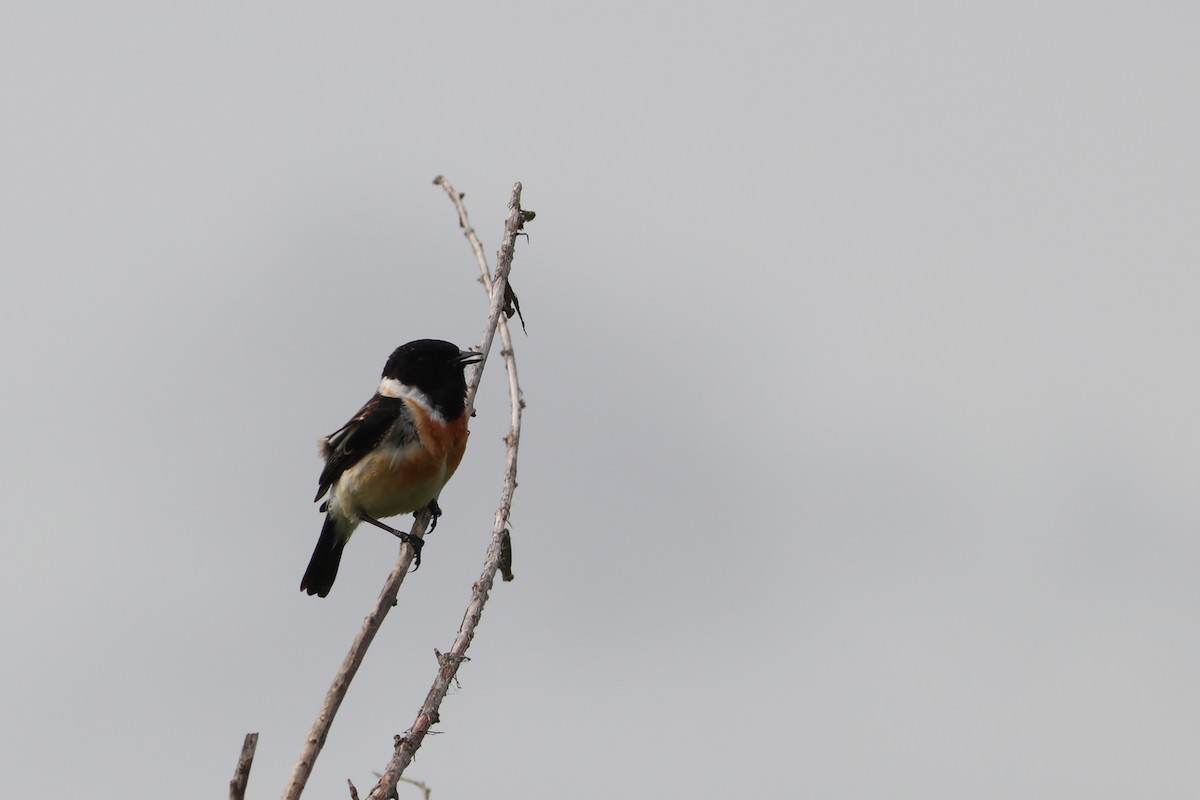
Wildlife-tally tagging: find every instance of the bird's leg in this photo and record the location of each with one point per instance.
(435, 511)
(413, 542)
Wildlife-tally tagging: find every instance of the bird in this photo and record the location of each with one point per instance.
(396, 454)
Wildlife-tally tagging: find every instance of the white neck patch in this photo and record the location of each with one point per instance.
(390, 387)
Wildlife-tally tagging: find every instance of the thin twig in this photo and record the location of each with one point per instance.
(469, 232)
(512, 228)
(485, 275)
(425, 790)
(241, 773)
(407, 744)
(391, 588)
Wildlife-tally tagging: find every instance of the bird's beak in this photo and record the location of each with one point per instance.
(469, 357)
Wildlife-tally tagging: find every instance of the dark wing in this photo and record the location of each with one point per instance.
(382, 419)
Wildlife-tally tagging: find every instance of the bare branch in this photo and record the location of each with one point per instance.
(407, 744)
(241, 773)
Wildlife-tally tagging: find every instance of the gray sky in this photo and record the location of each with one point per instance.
(861, 448)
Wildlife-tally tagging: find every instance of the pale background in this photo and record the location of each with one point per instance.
(862, 444)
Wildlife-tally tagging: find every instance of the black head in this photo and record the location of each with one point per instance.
(435, 368)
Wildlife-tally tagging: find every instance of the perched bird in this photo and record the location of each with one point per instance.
(397, 452)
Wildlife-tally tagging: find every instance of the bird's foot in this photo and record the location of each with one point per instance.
(435, 511)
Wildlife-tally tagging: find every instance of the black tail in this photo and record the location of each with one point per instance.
(323, 566)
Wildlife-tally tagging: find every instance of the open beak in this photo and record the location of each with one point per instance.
(469, 357)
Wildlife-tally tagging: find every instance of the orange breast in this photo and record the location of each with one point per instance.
(444, 440)
(400, 480)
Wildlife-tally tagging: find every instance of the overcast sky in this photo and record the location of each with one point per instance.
(861, 448)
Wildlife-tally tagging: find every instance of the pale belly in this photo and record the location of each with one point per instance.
(389, 482)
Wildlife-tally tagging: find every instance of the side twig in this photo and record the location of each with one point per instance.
(407, 744)
(391, 587)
